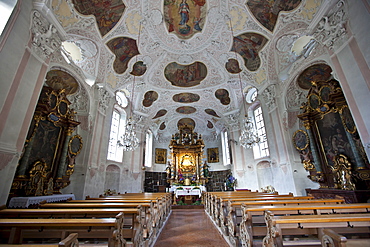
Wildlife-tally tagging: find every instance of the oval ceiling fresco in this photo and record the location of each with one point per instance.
(211, 112)
(185, 75)
(149, 98)
(186, 121)
(223, 96)
(124, 49)
(266, 12)
(58, 79)
(160, 113)
(184, 17)
(209, 124)
(138, 69)
(162, 126)
(248, 45)
(186, 97)
(186, 110)
(317, 72)
(107, 13)
(232, 66)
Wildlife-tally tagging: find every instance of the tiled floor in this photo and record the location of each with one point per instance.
(190, 228)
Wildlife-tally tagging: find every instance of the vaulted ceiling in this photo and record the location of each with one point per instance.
(184, 61)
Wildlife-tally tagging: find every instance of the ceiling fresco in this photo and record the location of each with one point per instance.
(186, 121)
(185, 75)
(186, 56)
(124, 49)
(315, 73)
(184, 18)
(186, 97)
(266, 12)
(107, 13)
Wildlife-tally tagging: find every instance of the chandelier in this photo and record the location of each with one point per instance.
(129, 141)
(248, 137)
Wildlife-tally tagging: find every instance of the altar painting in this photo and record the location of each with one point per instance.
(184, 17)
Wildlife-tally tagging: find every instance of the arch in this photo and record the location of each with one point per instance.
(112, 177)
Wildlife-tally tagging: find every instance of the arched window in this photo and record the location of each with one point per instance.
(225, 148)
(261, 149)
(148, 148)
(115, 150)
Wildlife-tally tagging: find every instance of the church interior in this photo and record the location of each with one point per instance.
(187, 101)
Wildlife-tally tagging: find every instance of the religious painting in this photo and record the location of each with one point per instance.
(107, 13)
(211, 112)
(301, 140)
(187, 164)
(186, 121)
(347, 120)
(232, 66)
(223, 96)
(186, 97)
(334, 138)
(149, 98)
(314, 73)
(185, 75)
(209, 124)
(186, 110)
(324, 94)
(248, 45)
(160, 113)
(138, 69)
(58, 79)
(184, 18)
(162, 126)
(75, 144)
(124, 49)
(266, 12)
(212, 155)
(160, 156)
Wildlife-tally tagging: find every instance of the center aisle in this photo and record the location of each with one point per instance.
(190, 227)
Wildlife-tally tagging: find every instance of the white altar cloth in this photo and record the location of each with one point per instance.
(188, 190)
(25, 202)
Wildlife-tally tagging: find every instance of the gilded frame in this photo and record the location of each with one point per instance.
(300, 140)
(75, 144)
(160, 156)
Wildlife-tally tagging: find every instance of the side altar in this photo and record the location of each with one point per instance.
(186, 171)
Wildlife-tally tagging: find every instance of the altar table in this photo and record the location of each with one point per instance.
(25, 202)
(188, 190)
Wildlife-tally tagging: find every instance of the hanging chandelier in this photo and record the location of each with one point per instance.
(129, 141)
(248, 137)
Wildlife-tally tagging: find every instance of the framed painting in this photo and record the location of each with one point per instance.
(160, 156)
(212, 155)
(300, 140)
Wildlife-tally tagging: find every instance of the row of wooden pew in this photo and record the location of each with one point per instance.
(132, 219)
(268, 219)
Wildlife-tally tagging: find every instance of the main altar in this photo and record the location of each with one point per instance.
(186, 171)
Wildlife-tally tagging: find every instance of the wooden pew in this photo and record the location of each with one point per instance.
(70, 241)
(332, 239)
(299, 226)
(252, 224)
(111, 229)
(234, 212)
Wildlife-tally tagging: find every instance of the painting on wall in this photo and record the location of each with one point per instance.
(223, 96)
(186, 121)
(58, 79)
(107, 13)
(314, 73)
(186, 110)
(185, 75)
(212, 155)
(266, 12)
(124, 49)
(248, 46)
(160, 113)
(184, 17)
(160, 156)
(186, 97)
(149, 98)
